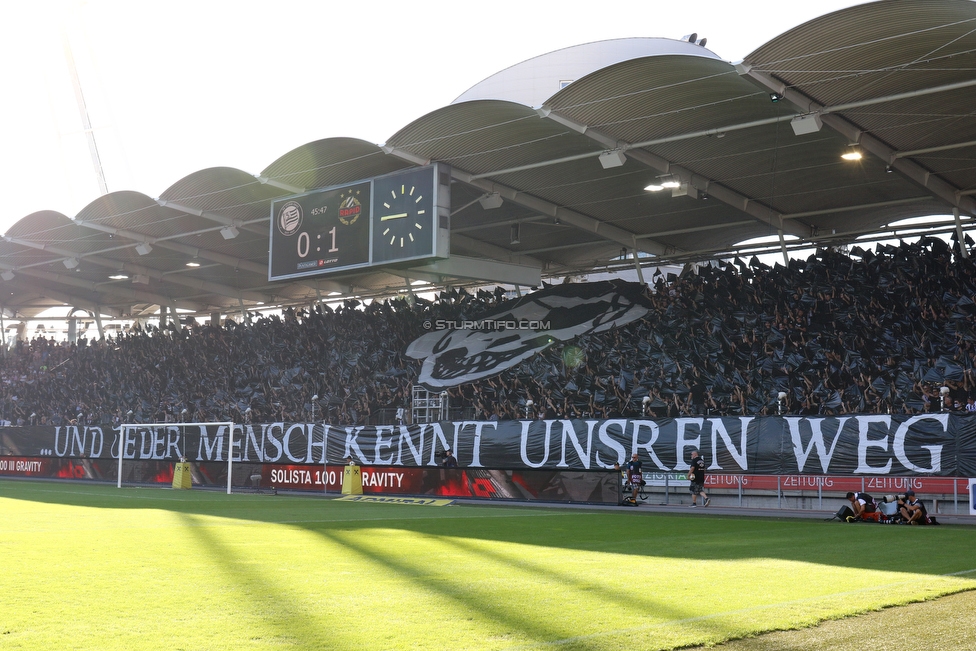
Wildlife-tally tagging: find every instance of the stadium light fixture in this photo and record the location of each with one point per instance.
(491, 201)
(7, 275)
(805, 124)
(229, 232)
(191, 263)
(612, 158)
(71, 263)
(775, 97)
(118, 276)
(654, 187)
(143, 249)
(516, 233)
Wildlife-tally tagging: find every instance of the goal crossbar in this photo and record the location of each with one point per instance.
(230, 441)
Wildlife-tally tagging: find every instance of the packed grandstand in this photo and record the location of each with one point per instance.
(882, 331)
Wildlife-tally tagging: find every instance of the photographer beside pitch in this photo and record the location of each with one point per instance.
(696, 475)
(912, 510)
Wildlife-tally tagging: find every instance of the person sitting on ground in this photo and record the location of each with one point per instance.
(913, 511)
(862, 504)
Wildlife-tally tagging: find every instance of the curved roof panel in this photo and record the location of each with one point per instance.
(551, 160)
(532, 82)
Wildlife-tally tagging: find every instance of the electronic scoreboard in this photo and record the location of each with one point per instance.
(388, 220)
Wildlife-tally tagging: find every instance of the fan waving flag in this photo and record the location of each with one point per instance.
(457, 352)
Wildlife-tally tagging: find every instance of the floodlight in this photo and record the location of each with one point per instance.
(7, 275)
(229, 232)
(670, 182)
(71, 263)
(775, 97)
(516, 234)
(491, 200)
(614, 158)
(804, 124)
(143, 249)
(852, 155)
(654, 187)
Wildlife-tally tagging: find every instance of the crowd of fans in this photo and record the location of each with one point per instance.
(883, 331)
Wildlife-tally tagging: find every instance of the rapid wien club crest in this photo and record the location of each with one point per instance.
(290, 218)
(349, 208)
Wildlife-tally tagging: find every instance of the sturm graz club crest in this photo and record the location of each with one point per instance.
(290, 218)
(456, 355)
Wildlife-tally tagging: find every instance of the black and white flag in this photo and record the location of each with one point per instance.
(456, 352)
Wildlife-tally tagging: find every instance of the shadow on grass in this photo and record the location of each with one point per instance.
(693, 536)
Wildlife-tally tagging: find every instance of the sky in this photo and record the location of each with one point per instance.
(179, 86)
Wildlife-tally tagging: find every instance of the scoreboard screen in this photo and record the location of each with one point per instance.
(390, 219)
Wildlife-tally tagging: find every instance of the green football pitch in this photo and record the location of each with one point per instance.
(95, 567)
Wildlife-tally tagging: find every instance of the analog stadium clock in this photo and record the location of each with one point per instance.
(404, 216)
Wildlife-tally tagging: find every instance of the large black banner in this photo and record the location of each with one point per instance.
(930, 444)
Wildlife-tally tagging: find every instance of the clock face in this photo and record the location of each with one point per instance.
(403, 216)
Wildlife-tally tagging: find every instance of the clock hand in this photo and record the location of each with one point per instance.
(389, 217)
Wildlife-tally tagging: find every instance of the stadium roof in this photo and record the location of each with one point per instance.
(568, 142)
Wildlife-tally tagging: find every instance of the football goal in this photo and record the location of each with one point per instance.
(149, 452)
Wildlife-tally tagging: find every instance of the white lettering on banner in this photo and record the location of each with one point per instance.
(649, 446)
(269, 436)
(806, 481)
(569, 433)
(383, 479)
(863, 443)
(76, 439)
(719, 431)
(20, 465)
(383, 443)
(173, 444)
(323, 445)
(416, 450)
(250, 442)
(681, 442)
(604, 435)
(286, 441)
(476, 443)
(891, 483)
(129, 441)
(352, 444)
(206, 449)
(816, 440)
(523, 445)
(935, 451)
(437, 433)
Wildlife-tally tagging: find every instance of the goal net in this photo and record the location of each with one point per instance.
(148, 454)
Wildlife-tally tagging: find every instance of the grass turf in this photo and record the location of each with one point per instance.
(91, 566)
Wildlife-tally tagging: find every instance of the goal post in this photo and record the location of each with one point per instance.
(173, 442)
